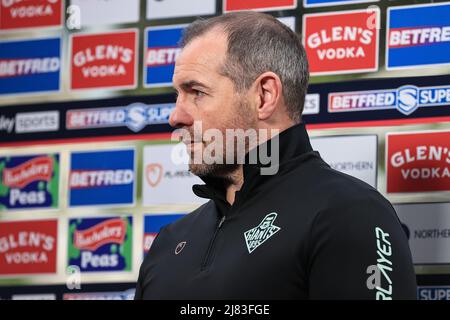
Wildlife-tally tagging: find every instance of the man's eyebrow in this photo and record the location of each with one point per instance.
(192, 83)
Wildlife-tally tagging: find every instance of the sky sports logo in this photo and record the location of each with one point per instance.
(136, 116)
(405, 99)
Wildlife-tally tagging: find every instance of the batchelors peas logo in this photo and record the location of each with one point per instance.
(100, 244)
(29, 181)
(260, 234)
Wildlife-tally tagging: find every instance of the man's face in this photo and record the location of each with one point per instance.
(206, 96)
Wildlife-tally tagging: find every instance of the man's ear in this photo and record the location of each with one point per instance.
(268, 89)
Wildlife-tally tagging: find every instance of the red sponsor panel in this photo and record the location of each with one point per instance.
(105, 60)
(236, 5)
(28, 247)
(418, 162)
(19, 14)
(342, 42)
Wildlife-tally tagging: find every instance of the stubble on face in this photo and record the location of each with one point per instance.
(240, 117)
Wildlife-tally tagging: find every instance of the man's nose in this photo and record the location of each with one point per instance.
(180, 117)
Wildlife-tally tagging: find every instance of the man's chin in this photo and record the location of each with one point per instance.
(212, 170)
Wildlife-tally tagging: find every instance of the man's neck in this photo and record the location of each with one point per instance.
(234, 182)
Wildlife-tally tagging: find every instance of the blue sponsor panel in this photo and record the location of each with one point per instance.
(102, 178)
(324, 3)
(100, 244)
(161, 52)
(30, 66)
(153, 224)
(418, 36)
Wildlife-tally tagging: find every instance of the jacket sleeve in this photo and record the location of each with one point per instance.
(358, 250)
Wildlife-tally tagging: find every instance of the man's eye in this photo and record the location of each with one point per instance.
(199, 93)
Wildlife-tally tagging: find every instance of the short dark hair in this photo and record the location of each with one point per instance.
(257, 43)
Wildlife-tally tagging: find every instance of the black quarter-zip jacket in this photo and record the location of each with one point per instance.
(308, 232)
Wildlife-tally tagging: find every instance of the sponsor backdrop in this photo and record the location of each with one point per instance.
(89, 174)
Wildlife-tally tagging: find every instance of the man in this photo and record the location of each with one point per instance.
(305, 232)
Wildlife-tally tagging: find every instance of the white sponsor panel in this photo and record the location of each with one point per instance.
(166, 181)
(289, 21)
(428, 228)
(353, 155)
(161, 9)
(99, 12)
(37, 121)
(312, 104)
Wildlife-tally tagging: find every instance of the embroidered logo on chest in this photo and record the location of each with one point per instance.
(261, 233)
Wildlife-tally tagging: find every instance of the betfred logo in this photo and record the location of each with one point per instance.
(135, 116)
(30, 66)
(342, 42)
(28, 247)
(153, 224)
(405, 99)
(101, 244)
(418, 36)
(105, 60)
(418, 162)
(110, 231)
(29, 182)
(18, 14)
(102, 178)
(161, 52)
(259, 5)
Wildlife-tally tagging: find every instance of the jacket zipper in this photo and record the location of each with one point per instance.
(206, 261)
